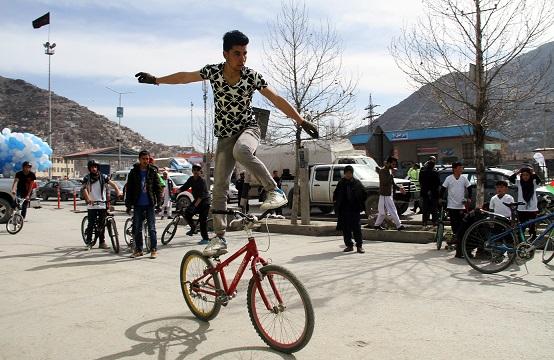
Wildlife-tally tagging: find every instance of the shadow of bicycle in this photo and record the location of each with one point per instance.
(163, 336)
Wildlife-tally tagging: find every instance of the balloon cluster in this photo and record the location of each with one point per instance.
(15, 148)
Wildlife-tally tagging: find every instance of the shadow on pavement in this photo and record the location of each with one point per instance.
(181, 333)
(248, 352)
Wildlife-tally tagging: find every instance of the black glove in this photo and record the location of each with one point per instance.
(309, 128)
(146, 78)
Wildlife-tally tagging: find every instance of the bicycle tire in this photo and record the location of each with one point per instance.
(112, 232)
(439, 235)
(276, 327)
(15, 224)
(483, 256)
(548, 250)
(169, 231)
(128, 231)
(205, 307)
(145, 237)
(84, 225)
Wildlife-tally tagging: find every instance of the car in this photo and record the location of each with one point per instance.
(50, 190)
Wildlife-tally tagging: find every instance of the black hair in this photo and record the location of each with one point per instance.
(456, 164)
(144, 153)
(348, 168)
(232, 38)
(502, 183)
(391, 159)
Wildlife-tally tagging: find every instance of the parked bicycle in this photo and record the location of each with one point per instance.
(278, 304)
(491, 245)
(440, 234)
(171, 228)
(128, 234)
(108, 223)
(15, 222)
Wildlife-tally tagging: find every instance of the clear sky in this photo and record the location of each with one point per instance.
(104, 43)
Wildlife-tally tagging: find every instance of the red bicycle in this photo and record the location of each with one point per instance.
(278, 304)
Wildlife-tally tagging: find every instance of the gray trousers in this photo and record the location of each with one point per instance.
(239, 147)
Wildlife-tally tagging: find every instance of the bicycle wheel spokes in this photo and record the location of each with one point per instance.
(14, 224)
(287, 325)
(548, 250)
(484, 250)
(200, 295)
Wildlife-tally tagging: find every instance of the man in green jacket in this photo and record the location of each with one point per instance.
(413, 176)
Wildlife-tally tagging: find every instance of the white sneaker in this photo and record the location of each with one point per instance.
(274, 200)
(217, 246)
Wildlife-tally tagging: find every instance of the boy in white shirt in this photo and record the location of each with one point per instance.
(497, 201)
(456, 186)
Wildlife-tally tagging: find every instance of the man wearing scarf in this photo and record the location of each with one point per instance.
(526, 185)
(95, 195)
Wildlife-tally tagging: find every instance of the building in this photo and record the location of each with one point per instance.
(61, 168)
(448, 144)
(107, 157)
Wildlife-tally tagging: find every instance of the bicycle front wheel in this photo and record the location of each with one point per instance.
(439, 235)
(548, 251)
(485, 250)
(200, 295)
(288, 324)
(84, 224)
(14, 224)
(170, 230)
(146, 237)
(114, 236)
(128, 231)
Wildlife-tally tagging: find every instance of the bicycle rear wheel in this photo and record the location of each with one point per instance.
(200, 296)
(484, 250)
(289, 323)
(15, 224)
(84, 224)
(439, 235)
(114, 236)
(145, 237)
(170, 230)
(128, 231)
(548, 251)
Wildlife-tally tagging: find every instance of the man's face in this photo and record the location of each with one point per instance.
(236, 57)
(275, 173)
(164, 175)
(457, 171)
(501, 190)
(196, 171)
(26, 169)
(143, 161)
(348, 175)
(94, 169)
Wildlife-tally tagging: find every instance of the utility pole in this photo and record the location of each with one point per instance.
(371, 115)
(119, 114)
(207, 160)
(545, 132)
(49, 51)
(190, 130)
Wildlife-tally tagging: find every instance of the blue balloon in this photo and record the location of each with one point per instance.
(15, 148)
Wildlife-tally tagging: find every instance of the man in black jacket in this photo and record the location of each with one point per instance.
(200, 205)
(429, 182)
(349, 198)
(144, 194)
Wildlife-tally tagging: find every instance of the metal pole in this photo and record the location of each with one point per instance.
(50, 115)
(191, 126)
(205, 97)
(119, 116)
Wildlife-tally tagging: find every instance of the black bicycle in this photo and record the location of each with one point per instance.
(15, 222)
(108, 223)
(171, 228)
(128, 234)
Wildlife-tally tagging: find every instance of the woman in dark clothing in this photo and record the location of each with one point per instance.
(526, 192)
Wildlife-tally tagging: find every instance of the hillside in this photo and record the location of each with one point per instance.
(526, 128)
(24, 108)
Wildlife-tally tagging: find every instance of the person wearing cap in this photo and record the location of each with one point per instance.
(200, 205)
(94, 192)
(235, 126)
(386, 201)
(527, 184)
(166, 196)
(349, 199)
(144, 194)
(23, 186)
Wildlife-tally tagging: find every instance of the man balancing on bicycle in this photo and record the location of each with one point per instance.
(95, 187)
(238, 133)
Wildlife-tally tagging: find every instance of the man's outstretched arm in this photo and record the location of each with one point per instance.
(177, 78)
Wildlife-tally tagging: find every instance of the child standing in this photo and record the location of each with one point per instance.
(497, 201)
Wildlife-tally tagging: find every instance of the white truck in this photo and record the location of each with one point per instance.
(326, 160)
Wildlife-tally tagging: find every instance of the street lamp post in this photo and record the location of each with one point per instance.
(49, 50)
(119, 114)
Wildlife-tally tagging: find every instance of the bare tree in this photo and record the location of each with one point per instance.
(467, 51)
(304, 63)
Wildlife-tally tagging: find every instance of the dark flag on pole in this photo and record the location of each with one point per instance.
(41, 21)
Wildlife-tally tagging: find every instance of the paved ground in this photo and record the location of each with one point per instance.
(397, 301)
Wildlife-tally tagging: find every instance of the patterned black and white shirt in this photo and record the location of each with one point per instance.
(233, 109)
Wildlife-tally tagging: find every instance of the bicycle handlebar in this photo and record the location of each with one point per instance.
(248, 217)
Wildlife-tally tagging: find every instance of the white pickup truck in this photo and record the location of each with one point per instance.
(323, 180)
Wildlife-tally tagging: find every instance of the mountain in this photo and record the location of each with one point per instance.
(529, 127)
(24, 108)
